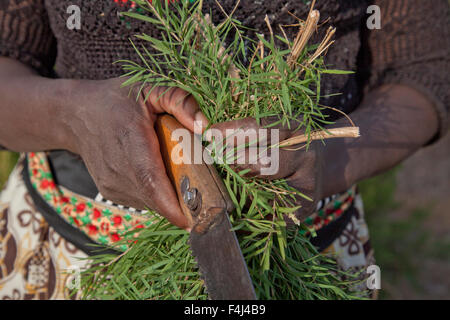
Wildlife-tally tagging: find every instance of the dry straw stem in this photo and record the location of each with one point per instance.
(305, 33)
(324, 45)
(346, 132)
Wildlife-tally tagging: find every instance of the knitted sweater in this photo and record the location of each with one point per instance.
(412, 47)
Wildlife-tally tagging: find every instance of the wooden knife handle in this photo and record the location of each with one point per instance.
(201, 193)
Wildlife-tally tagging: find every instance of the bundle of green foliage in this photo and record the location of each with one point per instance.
(200, 58)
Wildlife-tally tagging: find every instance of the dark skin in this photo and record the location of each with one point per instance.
(104, 124)
(115, 136)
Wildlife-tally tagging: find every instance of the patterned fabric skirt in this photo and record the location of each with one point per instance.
(35, 261)
(39, 260)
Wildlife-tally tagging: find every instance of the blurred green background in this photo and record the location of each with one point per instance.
(7, 162)
(407, 210)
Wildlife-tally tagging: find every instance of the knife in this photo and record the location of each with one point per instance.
(206, 203)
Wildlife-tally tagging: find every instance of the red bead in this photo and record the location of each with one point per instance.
(81, 207)
(317, 220)
(77, 222)
(92, 229)
(97, 214)
(104, 226)
(45, 184)
(115, 237)
(117, 220)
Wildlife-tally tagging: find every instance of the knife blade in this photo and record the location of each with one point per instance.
(205, 202)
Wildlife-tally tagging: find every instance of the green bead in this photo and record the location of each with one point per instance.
(103, 240)
(85, 220)
(337, 204)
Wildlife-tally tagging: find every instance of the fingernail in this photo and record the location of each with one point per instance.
(200, 117)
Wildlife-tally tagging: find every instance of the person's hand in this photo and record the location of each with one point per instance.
(301, 168)
(115, 137)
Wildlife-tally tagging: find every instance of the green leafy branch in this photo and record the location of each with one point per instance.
(207, 62)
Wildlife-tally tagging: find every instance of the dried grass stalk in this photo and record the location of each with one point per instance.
(305, 33)
(346, 132)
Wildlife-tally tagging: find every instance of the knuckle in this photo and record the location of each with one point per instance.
(157, 91)
(168, 96)
(179, 98)
(123, 134)
(145, 177)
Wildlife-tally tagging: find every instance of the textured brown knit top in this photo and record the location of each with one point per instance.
(412, 47)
